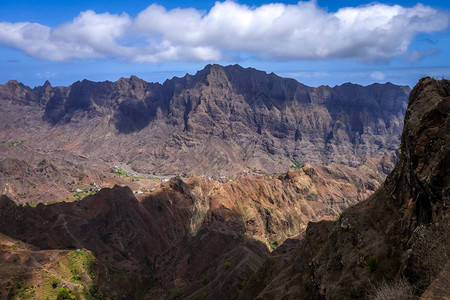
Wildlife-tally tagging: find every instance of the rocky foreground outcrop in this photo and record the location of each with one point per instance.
(222, 121)
(396, 242)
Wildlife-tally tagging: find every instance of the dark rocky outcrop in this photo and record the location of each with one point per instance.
(405, 225)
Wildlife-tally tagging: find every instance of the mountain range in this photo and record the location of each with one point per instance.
(222, 122)
(271, 205)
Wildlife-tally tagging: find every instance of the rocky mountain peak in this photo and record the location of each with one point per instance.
(16, 91)
(12, 83)
(47, 84)
(217, 77)
(425, 150)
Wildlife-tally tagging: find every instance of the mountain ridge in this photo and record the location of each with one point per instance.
(249, 119)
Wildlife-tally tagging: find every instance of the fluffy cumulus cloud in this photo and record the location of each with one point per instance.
(89, 35)
(275, 31)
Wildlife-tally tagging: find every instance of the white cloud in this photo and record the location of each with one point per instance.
(46, 75)
(276, 31)
(89, 35)
(377, 76)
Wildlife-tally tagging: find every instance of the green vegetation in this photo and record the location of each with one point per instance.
(80, 261)
(55, 283)
(205, 281)
(14, 143)
(18, 281)
(77, 266)
(50, 286)
(84, 192)
(123, 173)
(17, 245)
(32, 204)
(52, 202)
(296, 164)
(75, 278)
(120, 172)
(93, 291)
(274, 245)
(227, 265)
(22, 291)
(65, 294)
(371, 264)
(25, 293)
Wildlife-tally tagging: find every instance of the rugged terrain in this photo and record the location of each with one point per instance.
(223, 122)
(29, 176)
(397, 241)
(198, 238)
(62, 143)
(185, 235)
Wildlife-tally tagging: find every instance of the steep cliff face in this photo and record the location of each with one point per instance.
(222, 121)
(396, 241)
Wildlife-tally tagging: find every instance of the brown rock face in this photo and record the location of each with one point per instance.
(399, 237)
(222, 121)
(188, 237)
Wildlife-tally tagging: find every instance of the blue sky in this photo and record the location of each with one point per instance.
(321, 42)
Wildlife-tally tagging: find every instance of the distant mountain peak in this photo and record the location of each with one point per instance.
(14, 84)
(47, 84)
